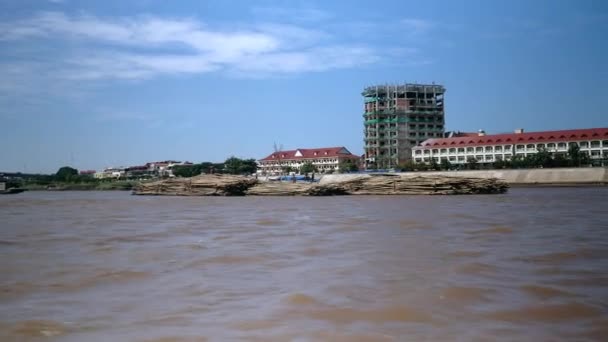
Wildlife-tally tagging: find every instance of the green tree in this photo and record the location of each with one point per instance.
(308, 167)
(433, 165)
(66, 174)
(543, 158)
(248, 166)
(472, 163)
(559, 160)
(445, 164)
(517, 162)
(183, 170)
(574, 155)
(408, 165)
(347, 165)
(421, 167)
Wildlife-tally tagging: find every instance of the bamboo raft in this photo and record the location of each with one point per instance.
(386, 184)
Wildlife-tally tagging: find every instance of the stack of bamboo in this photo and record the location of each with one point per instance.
(387, 184)
(278, 189)
(204, 185)
(422, 185)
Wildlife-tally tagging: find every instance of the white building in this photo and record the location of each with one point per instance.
(491, 148)
(110, 172)
(324, 159)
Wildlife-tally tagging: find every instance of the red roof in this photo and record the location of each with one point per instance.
(310, 153)
(520, 138)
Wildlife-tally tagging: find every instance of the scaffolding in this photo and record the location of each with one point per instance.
(399, 117)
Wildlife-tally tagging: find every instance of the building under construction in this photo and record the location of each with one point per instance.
(399, 117)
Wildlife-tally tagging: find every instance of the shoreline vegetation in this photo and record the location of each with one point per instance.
(538, 170)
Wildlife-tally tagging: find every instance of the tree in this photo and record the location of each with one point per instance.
(248, 166)
(471, 163)
(543, 158)
(183, 170)
(66, 173)
(408, 165)
(347, 165)
(308, 167)
(559, 160)
(574, 155)
(445, 164)
(502, 164)
(433, 165)
(237, 166)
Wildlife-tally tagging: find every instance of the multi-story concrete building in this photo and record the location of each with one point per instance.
(491, 148)
(399, 117)
(324, 159)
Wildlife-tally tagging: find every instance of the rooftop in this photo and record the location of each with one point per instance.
(522, 138)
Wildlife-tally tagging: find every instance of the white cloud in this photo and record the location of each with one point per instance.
(145, 46)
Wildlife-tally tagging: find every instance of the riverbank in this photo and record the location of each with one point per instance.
(102, 186)
(592, 176)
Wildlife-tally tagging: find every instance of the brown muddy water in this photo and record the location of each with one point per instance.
(530, 265)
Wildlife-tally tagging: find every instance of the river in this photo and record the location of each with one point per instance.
(107, 266)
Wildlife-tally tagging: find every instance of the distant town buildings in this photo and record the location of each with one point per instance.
(149, 170)
(324, 159)
(399, 117)
(459, 148)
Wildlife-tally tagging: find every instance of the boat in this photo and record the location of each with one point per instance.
(11, 191)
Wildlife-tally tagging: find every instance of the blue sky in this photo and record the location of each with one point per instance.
(107, 83)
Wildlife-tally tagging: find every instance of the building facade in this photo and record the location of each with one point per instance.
(399, 117)
(491, 148)
(324, 159)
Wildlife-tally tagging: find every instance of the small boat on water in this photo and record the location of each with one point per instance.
(11, 191)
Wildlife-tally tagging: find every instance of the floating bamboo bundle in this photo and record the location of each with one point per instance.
(387, 184)
(422, 185)
(278, 189)
(204, 185)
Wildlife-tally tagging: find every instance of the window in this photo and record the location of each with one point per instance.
(520, 147)
(507, 147)
(469, 149)
(452, 158)
(452, 150)
(488, 148)
(460, 158)
(479, 149)
(461, 150)
(584, 144)
(418, 152)
(498, 148)
(605, 143)
(540, 146)
(435, 151)
(530, 147)
(443, 151)
(595, 144)
(551, 146)
(489, 157)
(561, 146)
